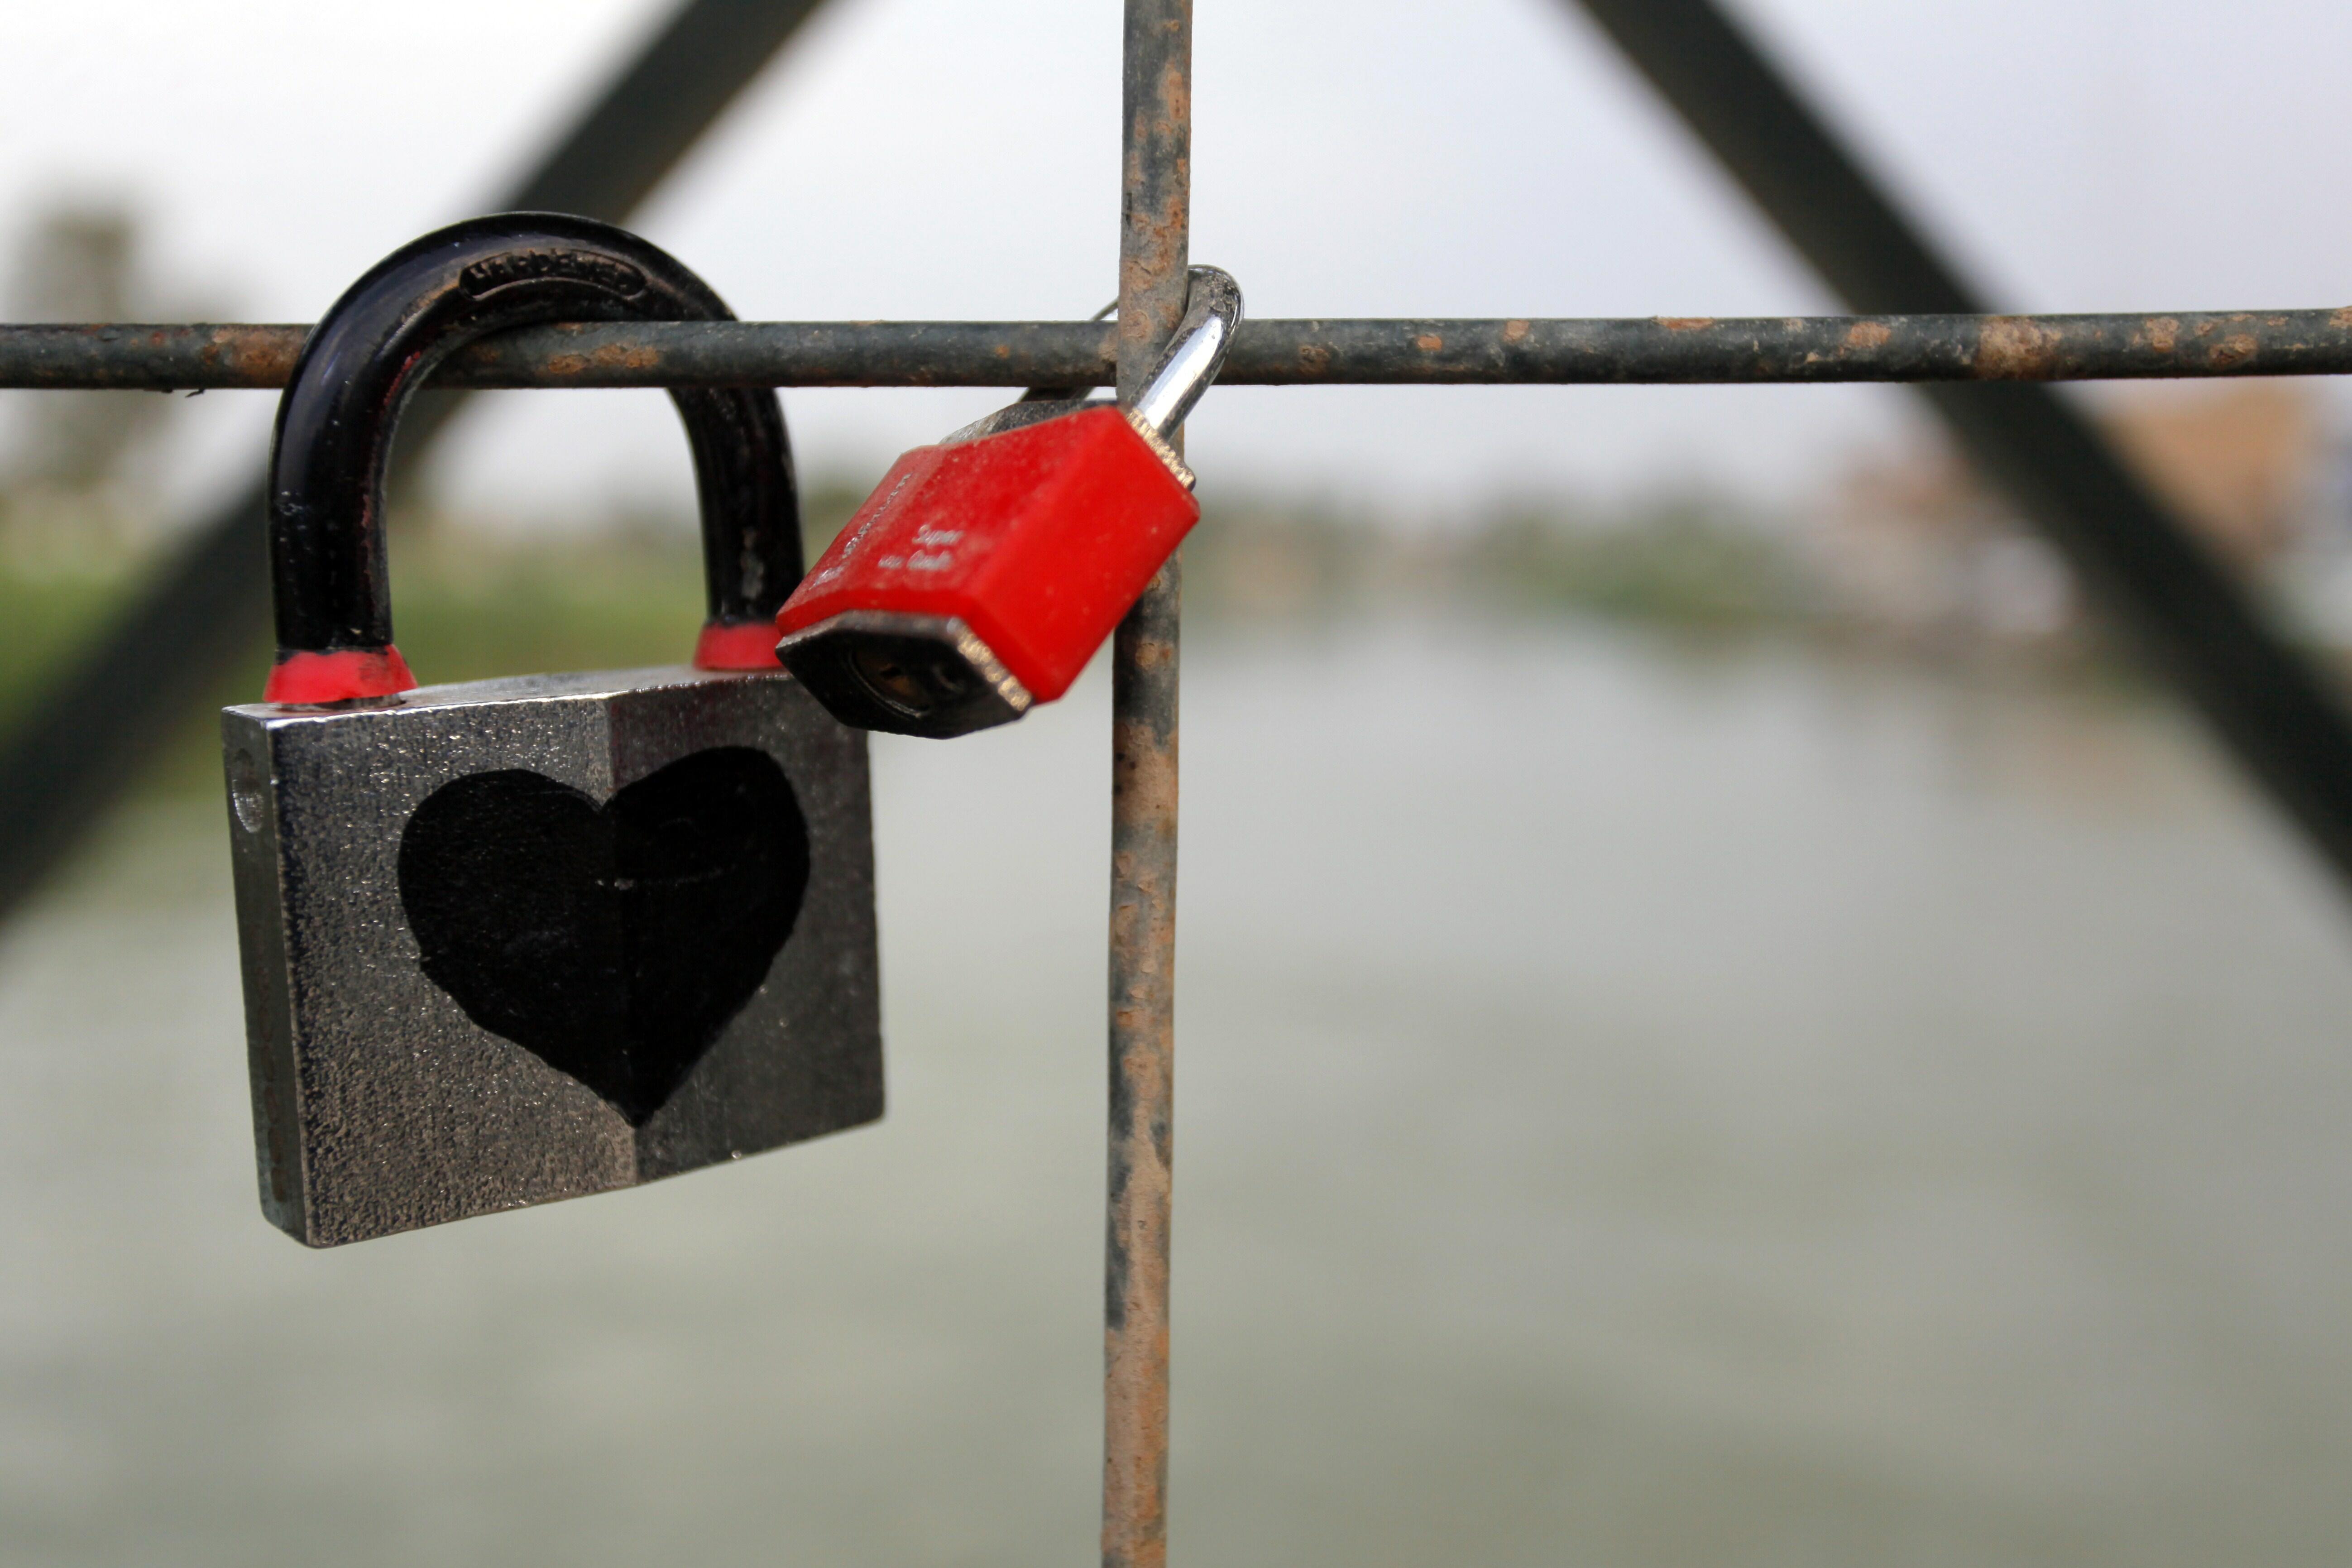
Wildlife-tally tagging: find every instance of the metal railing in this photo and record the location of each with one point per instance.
(1434, 351)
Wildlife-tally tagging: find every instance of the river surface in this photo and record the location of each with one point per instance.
(1635, 1108)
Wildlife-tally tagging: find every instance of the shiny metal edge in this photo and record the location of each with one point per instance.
(952, 629)
(1161, 449)
(584, 684)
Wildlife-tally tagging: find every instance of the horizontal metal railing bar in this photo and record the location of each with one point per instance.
(1267, 353)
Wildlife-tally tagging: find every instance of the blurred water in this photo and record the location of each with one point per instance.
(1635, 1108)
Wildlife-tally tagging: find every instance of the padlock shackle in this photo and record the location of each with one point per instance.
(1186, 367)
(380, 343)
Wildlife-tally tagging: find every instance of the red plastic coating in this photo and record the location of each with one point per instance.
(337, 676)
(1038, 539)
(736, 645)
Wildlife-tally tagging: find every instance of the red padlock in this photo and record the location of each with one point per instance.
(982, 573)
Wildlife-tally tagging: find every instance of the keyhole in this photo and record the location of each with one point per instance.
(912, 688)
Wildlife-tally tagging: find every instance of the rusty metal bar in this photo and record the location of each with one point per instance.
(1527, 350)
(2197, 625)
(1154, 239)
(86, 738)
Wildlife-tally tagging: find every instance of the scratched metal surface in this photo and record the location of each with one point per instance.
(379, 1105)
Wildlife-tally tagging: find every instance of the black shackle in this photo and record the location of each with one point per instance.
(381, 341)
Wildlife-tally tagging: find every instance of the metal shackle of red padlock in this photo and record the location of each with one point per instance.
(982, 573)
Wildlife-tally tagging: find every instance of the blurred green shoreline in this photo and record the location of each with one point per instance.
(476, 601)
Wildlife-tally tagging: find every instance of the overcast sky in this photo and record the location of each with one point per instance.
(958, 159)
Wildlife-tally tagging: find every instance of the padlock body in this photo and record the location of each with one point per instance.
(517, 940)
(1037, 539)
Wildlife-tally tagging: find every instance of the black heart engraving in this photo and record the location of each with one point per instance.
(613, 944)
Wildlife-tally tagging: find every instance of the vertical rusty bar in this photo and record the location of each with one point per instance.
(1155, 221)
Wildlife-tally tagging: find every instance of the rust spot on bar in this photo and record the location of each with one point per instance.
(1314, 358)
(2163, 333)
(264, 355)
(1685, 323)
(567, 364)
(1514, 331)
(628, 356)
(2232, 352)
(1868, 335)
(2015, 348)
(1143, 774)
(1176, 98)
(1429, 343)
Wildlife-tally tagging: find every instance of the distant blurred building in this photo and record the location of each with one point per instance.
(1918, 548)
(2243, 461)
(65, 453)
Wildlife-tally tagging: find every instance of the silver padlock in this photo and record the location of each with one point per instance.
(521, 939)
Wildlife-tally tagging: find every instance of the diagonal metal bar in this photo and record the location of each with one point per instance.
(2197, 625)
(1267, 352)
(633, 132)
(86, 739)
